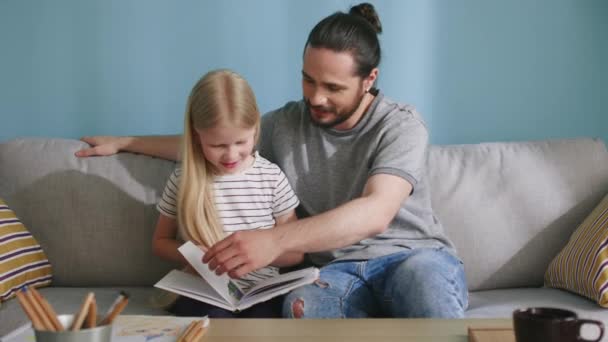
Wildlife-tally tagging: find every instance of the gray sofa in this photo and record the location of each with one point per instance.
(508, 207)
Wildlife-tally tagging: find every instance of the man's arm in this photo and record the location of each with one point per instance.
(166, 147)
(345, 225)
(288, 258)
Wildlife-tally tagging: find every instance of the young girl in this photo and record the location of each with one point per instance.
(223, 185)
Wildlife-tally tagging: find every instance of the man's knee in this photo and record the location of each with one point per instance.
(310, 301)
(297, 308)
(295, 303)
(294, 306)
(432, 263)
(430, 283)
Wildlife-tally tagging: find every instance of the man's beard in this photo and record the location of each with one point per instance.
(340, 117)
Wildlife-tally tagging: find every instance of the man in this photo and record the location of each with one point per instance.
(356, 160)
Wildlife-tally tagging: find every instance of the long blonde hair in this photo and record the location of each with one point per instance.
(218, 97)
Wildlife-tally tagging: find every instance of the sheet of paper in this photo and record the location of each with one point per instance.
(192, 286)
(132, 328)
(223, 285)
(127, 328)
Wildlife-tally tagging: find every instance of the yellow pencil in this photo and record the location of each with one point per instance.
(84, 309)
(92, 315)
(46, 322)
(194, 333)
(29, 311)
(47, 308)
(119, 304)
(182, 337)
(198, 333)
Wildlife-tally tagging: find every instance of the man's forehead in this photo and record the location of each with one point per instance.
(325, 65)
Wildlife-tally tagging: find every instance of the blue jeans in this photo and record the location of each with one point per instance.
(426, 282)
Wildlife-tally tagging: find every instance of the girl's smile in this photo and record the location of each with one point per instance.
(227, 147)
(230, 165)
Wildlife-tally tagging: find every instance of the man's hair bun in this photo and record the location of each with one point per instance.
(367, 12)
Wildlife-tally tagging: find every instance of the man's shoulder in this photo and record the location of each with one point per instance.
(397, 110)
(287, 112)
(397, 115)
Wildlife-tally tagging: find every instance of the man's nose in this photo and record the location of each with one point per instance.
(317, 98)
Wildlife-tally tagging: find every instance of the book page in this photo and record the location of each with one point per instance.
(307, 275)
(223, 285)
(257, 286)
(278, 285)
(252, 279)
(192, 286)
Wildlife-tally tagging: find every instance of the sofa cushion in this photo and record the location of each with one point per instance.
(22, 260)
(501, 303)
(510, 207)
(94, 217)
(582, 266)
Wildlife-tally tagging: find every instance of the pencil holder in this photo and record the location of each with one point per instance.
(102, 333)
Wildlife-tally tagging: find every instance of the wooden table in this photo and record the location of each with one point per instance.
(352, 330)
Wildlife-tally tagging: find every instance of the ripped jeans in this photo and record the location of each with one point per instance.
(426, 282)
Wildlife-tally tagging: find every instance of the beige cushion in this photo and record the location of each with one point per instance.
(94, 217)
(582, 266)
(22, 260)
(510, 207)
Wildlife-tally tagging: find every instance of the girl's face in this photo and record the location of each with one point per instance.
(228, 148)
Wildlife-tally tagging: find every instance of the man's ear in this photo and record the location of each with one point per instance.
(371, 79)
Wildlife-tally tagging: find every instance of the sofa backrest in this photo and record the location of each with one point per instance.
(94, 217)
(510, 207)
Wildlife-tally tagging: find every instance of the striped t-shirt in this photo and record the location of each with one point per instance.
(247, 200)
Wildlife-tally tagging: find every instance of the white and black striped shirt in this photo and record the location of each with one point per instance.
(248, 200)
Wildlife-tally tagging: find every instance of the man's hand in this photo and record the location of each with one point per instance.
(243, 252)
(189, 269)
(101, 146)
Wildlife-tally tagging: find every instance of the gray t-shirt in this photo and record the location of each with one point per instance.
(329, 167)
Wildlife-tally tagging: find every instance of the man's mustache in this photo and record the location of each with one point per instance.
(320, 108)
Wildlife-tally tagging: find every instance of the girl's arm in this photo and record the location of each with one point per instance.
(164, 242)
(287, 258)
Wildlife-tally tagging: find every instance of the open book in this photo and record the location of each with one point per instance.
(227, 293)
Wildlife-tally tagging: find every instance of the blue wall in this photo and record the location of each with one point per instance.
(477, 70)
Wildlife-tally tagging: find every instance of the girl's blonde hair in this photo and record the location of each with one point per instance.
(221, 96)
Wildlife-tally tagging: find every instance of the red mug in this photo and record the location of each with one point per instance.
(551, 324)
